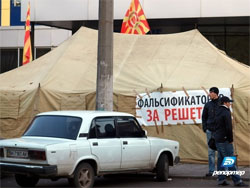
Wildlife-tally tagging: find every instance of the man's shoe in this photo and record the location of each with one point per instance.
(224, 183)
(241, 184)
(209, 174)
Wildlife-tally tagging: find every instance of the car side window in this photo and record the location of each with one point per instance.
(102, 128)
(128, 127)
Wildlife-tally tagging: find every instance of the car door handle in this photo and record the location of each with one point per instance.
(125, 142)
(95, 144)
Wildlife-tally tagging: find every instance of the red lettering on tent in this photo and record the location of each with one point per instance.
(174, 114)
(167, 113)
(192, 113)
(156, 116)
(149, 115)
(183, 113)
(199, 112)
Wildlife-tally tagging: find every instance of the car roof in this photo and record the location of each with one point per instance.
(83, 113)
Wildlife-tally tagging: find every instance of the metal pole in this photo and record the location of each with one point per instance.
(104, 84)
(32, 40)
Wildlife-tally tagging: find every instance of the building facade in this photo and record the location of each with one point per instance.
(12, 36)
(225, 23)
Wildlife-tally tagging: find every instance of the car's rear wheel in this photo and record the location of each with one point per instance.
(84, 176)
(162, 168)
(26, 181)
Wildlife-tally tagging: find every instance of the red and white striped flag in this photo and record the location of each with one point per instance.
(27, 52)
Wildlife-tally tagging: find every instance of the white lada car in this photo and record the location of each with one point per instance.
(80, 145)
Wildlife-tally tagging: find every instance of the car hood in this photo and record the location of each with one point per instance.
(32, 142)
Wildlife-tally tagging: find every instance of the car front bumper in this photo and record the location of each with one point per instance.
(28, 169)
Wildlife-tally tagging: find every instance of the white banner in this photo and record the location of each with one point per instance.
(173, 107)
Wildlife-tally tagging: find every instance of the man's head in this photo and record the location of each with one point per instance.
(226, 101)
(213, 92)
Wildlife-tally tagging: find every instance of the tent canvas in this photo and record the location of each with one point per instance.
(65, 79)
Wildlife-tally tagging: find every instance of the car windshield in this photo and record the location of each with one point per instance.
(55, 126)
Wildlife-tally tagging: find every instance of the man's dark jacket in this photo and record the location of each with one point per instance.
(208, 115)
(223, 127)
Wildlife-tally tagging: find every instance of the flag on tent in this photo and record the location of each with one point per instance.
(27, 52)
(135, 21)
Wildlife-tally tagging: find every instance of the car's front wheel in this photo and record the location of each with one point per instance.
(162, 168)
(84, 176)
(26, 181)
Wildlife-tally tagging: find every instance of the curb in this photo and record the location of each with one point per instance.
(203, 177)
(2, 176)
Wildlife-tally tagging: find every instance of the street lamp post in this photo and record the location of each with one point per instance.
(104, 85)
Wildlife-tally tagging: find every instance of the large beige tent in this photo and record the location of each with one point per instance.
(65, 79)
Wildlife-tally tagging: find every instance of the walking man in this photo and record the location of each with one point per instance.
(208, 124)
(223, 136)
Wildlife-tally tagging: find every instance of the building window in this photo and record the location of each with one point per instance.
(16, 3)
(41, 51)
(13, 58)
(20, 62)
(9, 59)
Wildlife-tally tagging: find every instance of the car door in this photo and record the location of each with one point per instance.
(104, 143)
(135, 145)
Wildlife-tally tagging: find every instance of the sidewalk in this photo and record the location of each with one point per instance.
(183, 170)
(198, 171)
